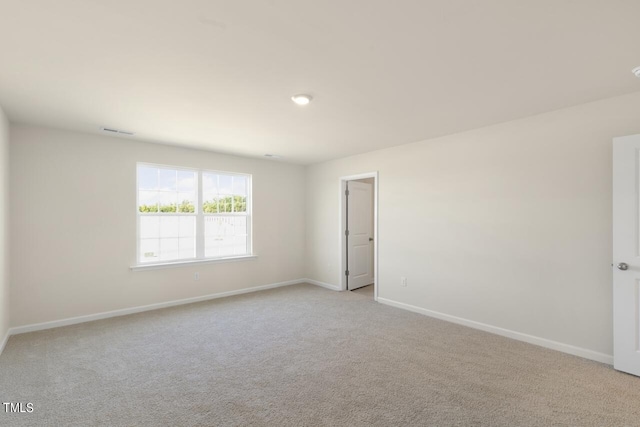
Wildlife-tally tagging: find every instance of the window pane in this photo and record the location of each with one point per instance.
(187, 247)
(170, 226)
(240, 226)
(211, 251)
(210, 183)
(149, 227)
(225, 204)
(167, 238)
(147, 178)
(168, 180)
(210, 204)
(239, 203)
(149, 250)
(226, 246)
(169, 249)
(187, 226)
(187, 181)
(218, 246)
(187, 202)
(240, 185)
(218, 225)
(225, 184)
(225, 236)
(168, 201)
(240, 245)
(148, 201)
(229, 224)
(212, 226)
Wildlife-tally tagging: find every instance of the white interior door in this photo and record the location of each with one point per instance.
(626, 254)
(360, 234)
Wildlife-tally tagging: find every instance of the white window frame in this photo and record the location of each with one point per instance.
(200, 219)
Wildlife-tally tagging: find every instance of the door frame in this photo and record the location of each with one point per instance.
(342, 222)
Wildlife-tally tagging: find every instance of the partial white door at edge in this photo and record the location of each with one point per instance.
(626, 254)
(360, 238)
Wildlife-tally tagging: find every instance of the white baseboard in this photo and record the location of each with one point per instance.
(323, 284)
(132, 310)
(3, 343)
(542, 342)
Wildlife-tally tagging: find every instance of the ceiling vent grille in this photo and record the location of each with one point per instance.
(112, 130)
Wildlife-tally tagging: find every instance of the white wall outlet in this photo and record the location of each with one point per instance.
(196, 276)
(403, 281)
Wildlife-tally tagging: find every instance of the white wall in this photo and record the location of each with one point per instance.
(508, 225)
(4, 227)
(73, 226)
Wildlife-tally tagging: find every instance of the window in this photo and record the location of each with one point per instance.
(188, 214)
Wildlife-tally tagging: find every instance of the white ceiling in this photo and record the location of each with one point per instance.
(219, 74)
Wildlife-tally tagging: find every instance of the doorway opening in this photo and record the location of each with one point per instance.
(359, 233)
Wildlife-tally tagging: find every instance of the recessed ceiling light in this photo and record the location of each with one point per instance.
(301, 99)
(636, 72)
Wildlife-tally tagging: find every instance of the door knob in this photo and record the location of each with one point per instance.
(623, 266)
(371, 239)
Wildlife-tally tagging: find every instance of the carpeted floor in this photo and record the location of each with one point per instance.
(365, 291)
(302, 356)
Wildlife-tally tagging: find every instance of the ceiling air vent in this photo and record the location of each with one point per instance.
(122, 132)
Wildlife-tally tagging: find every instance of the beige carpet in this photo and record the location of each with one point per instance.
(365, 291)
(302, 356)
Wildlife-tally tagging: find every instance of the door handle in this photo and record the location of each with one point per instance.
(623, 266)
(371, 239)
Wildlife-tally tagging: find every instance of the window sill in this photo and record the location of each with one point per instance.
(191, 262)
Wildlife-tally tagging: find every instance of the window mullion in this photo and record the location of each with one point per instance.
(200, 219)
